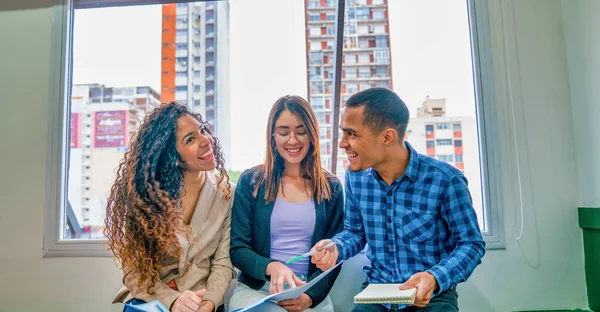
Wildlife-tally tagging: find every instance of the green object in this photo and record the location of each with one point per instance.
(296, 258)
(589, 221)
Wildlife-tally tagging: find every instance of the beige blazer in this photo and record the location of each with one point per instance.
(204, 263)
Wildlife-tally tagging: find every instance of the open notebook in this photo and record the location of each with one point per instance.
(385, 293)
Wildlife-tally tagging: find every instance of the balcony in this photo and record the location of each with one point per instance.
(181, 81)
(181, 95)
(182, 10)
(181, 53)
(181, 25)
(181, 39)
(181, 66)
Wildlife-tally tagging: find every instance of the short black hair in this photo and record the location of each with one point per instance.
(383, 109)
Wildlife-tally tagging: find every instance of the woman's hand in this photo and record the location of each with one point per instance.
(189, 301)
(207, 306)
(279, 274)
(296, 305)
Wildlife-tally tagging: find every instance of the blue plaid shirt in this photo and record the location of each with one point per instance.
(423, 222)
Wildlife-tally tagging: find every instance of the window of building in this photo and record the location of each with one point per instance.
(443, 142)
(442, 126)
(446, 158)
(77, 206)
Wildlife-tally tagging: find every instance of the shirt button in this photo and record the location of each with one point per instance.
(389, 220)
(391, 246)
(389, 193)
(395, 271)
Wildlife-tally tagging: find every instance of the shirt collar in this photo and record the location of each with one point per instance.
(412, 168)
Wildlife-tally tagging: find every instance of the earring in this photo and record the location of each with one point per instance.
(177, 163)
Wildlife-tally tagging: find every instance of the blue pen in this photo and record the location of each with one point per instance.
(308, 254)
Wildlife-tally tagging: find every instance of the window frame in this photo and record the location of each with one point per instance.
(487, 125)
(59, 107)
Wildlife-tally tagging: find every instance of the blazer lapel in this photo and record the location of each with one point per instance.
(204, 204)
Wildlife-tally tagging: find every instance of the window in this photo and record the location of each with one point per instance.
(446, 158)
(94, 128)
(381, 41)
(442, 126)
(379, 15)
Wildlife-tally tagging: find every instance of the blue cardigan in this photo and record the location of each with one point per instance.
(251, 234)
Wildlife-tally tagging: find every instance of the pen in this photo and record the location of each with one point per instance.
(308, 254)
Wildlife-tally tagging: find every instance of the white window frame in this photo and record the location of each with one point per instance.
(489, 153)
(59, 107)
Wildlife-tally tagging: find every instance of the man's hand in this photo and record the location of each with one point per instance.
(207, 306)
(324, 259)
(280, 274)
(296, 305)
(188, 301)
(425, 284)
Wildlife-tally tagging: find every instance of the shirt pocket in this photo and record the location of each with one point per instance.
(418, 226)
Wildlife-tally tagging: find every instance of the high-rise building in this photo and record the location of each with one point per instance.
(365, 62)
(195, 62)
(102, 123)
(450, 139)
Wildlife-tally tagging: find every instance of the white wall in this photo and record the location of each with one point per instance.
(542, 271)
(582, 35)
(30, 283)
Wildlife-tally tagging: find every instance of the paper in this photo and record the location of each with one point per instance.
(153, 306)
(385, 293)
(288, 294)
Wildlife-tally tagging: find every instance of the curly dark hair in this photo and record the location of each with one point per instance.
(143, 211)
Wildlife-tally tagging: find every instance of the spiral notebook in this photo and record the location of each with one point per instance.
(385, 293)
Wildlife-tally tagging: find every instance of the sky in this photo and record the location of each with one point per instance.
(430, 54)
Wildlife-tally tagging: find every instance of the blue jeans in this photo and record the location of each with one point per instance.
(135, 301)
(447, 301)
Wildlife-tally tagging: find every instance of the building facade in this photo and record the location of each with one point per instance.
(450, 139)
(195, 62)
(366, 60)
(102, 122)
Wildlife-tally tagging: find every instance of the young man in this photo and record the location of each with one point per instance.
(414, 212)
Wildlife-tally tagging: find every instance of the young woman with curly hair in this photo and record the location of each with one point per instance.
(281, 209)
(168, 216)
